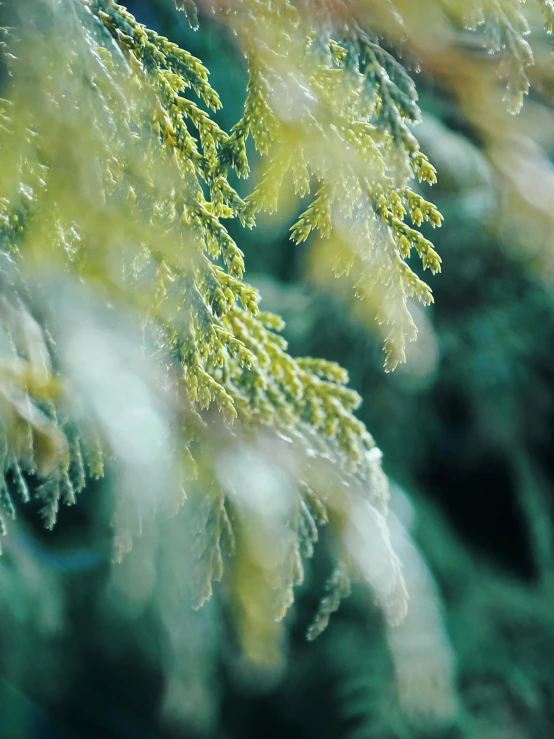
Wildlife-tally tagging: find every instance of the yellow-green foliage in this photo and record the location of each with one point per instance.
(342, 129)
(116, 176)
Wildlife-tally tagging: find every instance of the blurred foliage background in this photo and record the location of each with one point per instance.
(466, 431)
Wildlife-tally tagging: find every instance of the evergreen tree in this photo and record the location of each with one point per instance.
(132, 345)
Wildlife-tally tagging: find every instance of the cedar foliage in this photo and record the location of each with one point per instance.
(116, 176)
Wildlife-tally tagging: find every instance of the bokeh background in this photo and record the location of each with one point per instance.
(466, 429)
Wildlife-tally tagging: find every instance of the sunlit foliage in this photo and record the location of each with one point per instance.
(132, 344)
